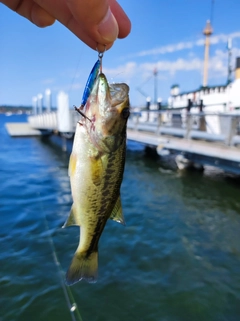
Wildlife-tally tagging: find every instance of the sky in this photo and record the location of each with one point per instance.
(166, 36)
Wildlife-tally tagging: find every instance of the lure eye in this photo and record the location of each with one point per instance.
(125, 113)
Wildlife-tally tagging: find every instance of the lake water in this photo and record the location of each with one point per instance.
(177, 259)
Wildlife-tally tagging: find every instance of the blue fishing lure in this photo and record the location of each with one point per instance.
(90, 82)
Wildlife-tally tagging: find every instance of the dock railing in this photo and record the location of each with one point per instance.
(218, 127)
(54, 122)
(215, 127)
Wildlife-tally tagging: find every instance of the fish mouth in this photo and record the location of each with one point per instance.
(119, 93)
(105, 98)
(108, 110)
(115, 94)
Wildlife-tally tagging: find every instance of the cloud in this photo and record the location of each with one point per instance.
(224, 37)
(133, 72)
(127, 70)
(76, 86)
(173, 66)
(236, 52)
(68, 87)
(215, 39)
(48, 81)
(217, 65)
(166, 49)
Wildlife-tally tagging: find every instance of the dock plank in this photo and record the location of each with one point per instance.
(206, 148)
(144, 138)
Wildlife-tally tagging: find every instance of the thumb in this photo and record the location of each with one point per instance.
(96, 20)
(108, 27)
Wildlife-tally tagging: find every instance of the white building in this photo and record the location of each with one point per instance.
(223, 98)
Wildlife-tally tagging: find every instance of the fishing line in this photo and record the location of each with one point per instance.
(66, 289)
(145, 81)
(76, 70)
(72, 305)
(115, 76)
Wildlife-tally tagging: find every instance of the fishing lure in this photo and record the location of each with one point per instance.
(91, 79)
(90, 82)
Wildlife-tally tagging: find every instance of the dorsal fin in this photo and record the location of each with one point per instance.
(117, 214)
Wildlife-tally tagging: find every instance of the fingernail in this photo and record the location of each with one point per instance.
(108, 27)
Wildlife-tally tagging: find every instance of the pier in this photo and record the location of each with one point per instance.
(196, 139)
(21, 130)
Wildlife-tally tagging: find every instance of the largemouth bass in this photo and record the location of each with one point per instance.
(96, 170)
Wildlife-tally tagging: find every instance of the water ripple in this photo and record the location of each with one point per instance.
(177, 258)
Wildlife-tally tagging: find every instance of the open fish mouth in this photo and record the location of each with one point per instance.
(118, 92)
(105, 96)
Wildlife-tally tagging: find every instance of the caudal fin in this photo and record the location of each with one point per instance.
(83, 268)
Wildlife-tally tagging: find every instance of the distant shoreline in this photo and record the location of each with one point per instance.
(17, 109)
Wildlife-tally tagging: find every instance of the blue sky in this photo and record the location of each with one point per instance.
(166, 35)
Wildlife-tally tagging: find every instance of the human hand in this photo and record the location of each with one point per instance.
(96, 22)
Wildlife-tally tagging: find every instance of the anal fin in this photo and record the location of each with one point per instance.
(71, 218)
(117, 214)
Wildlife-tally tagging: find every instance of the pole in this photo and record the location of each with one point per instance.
(229, 47)
(207, 32)
(155, 72)
(206, 57)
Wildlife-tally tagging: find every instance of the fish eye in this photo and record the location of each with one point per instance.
(125, 113)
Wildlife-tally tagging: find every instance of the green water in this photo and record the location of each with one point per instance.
(177, 259)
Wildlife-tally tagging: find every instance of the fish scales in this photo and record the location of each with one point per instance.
(96, 170)
(108, 197)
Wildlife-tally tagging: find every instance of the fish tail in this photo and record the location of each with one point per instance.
(83, 267)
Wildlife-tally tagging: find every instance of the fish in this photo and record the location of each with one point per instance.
(96, 169)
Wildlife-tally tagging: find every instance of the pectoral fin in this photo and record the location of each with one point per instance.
(117, 214)
(71, 218)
